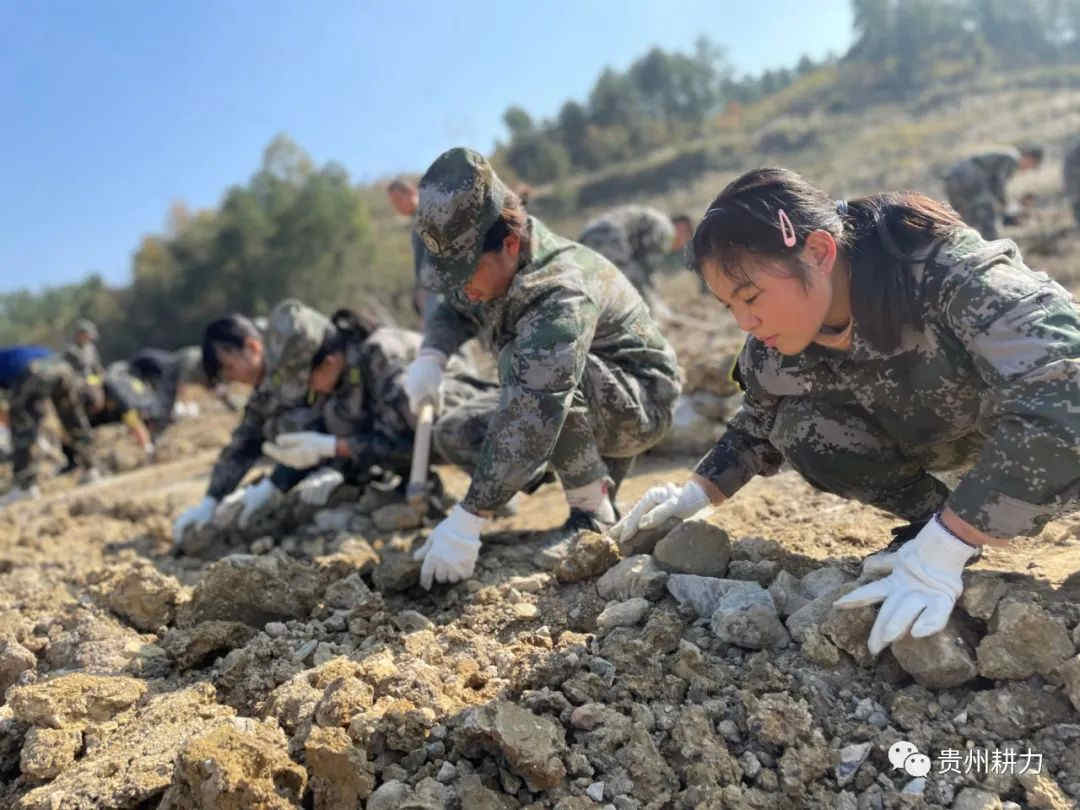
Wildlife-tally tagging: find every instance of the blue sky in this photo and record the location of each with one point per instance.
(114, 110)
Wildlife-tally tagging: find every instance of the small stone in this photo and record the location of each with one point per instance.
(787, 593)
(264, 545)
(275, 629)
(981, 594)
(762, 571)
(694, 547)
(397, 516)
(623, 614)
(47, 751)
(635, 576)
(940, 661)
(447, 773)
(756, 549)
(15, 659)
(705, 594)
(748, 619)
(526, 611)
(974, 799)
(410, 621)
(916, 787)
(851, 759)
(587, 555)
(595, 791)
(333, 520)
(1023, 640)
(822, 580)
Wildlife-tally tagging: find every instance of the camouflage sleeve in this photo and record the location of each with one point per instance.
(744, 450)
(445, 328)
(1022, 333)
(242, 451)
(388, 441)
(1002, 167)
(538, 374)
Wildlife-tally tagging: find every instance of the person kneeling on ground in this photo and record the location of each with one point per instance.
(31, 375)
(586, 380)
(888, 340)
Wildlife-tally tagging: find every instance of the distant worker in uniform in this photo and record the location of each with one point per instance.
(82, 353)
(404, 199)
(121, 397)
(638, 240)
(31, 376)
(976, 185)
(586, 380)
(1072, 180)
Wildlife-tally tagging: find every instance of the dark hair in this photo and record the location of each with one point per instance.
(512, 219)
(770, 212)
(348, 325)
(230, 333)
(682, 219)
(1032, 150)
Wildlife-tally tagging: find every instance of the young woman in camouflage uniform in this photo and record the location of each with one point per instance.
(889, 340)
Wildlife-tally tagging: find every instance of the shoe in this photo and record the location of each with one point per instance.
(16, 494)
(580, 520)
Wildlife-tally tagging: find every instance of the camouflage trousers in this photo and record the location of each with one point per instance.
(839, 448)
(48, 378)
(612, 418)
(975, 203)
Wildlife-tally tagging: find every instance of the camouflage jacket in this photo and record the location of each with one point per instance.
(369, 407)
(565, 303)
(85, 360)
(632, 235)
(990, 169)
(997, 361)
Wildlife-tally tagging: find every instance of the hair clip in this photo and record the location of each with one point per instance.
(787, 230)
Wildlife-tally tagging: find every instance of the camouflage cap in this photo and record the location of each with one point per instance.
(461, 197)
(84, 325)
(293, 336)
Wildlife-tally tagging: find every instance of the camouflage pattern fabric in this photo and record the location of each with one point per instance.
(280, 402)
(85, 360)
(1072, 180)
(990, 385)
(369, 407)
(634, 238)
(583, 373)
(47, 378)
(976, 188)
(126, 392)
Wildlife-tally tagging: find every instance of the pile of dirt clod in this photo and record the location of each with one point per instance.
(700, 667)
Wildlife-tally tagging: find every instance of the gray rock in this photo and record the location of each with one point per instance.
(1015, 710)
(916, 787)
(814, 612)
(1070, 674)
(694, 547)
(704, 594)
(849, 629)
(396, 571)
(940, 661)
(787, 593)
(397, 516)
(982, 592)
(533, 745)
(851, 759)
(348, 593)
(748, 619)
(595, 791)
(644, 541)
(588, 555)
(333, 520)
(447, 773)
(623, 614)
(756, 549)
(822, 580)
(389, 796)
(1023, 640)
(634, 576)
(970, 798)
(761, 572)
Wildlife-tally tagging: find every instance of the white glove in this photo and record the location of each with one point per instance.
(659, 504)
(194, 517)
(149, 449)
(317, 488)
(302, 449)
(924, 580)
(255, 498)
(423, 378)
(450, 553)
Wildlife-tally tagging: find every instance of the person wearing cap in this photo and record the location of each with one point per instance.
(81, 352)
(32, 375)
(975, 185)
(637, 239)
(276, 363)
(890, 349)
(404, 198)
(366, 423)
(120, 396)
(586, 380)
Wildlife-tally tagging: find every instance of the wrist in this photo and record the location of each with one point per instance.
(466, 519)
(434, 355)
(712, 492)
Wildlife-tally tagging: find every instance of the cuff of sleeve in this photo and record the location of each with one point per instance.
(724, 469)
(285, 478)
(997, 514)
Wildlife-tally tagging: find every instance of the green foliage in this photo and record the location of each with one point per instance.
(293, 230)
